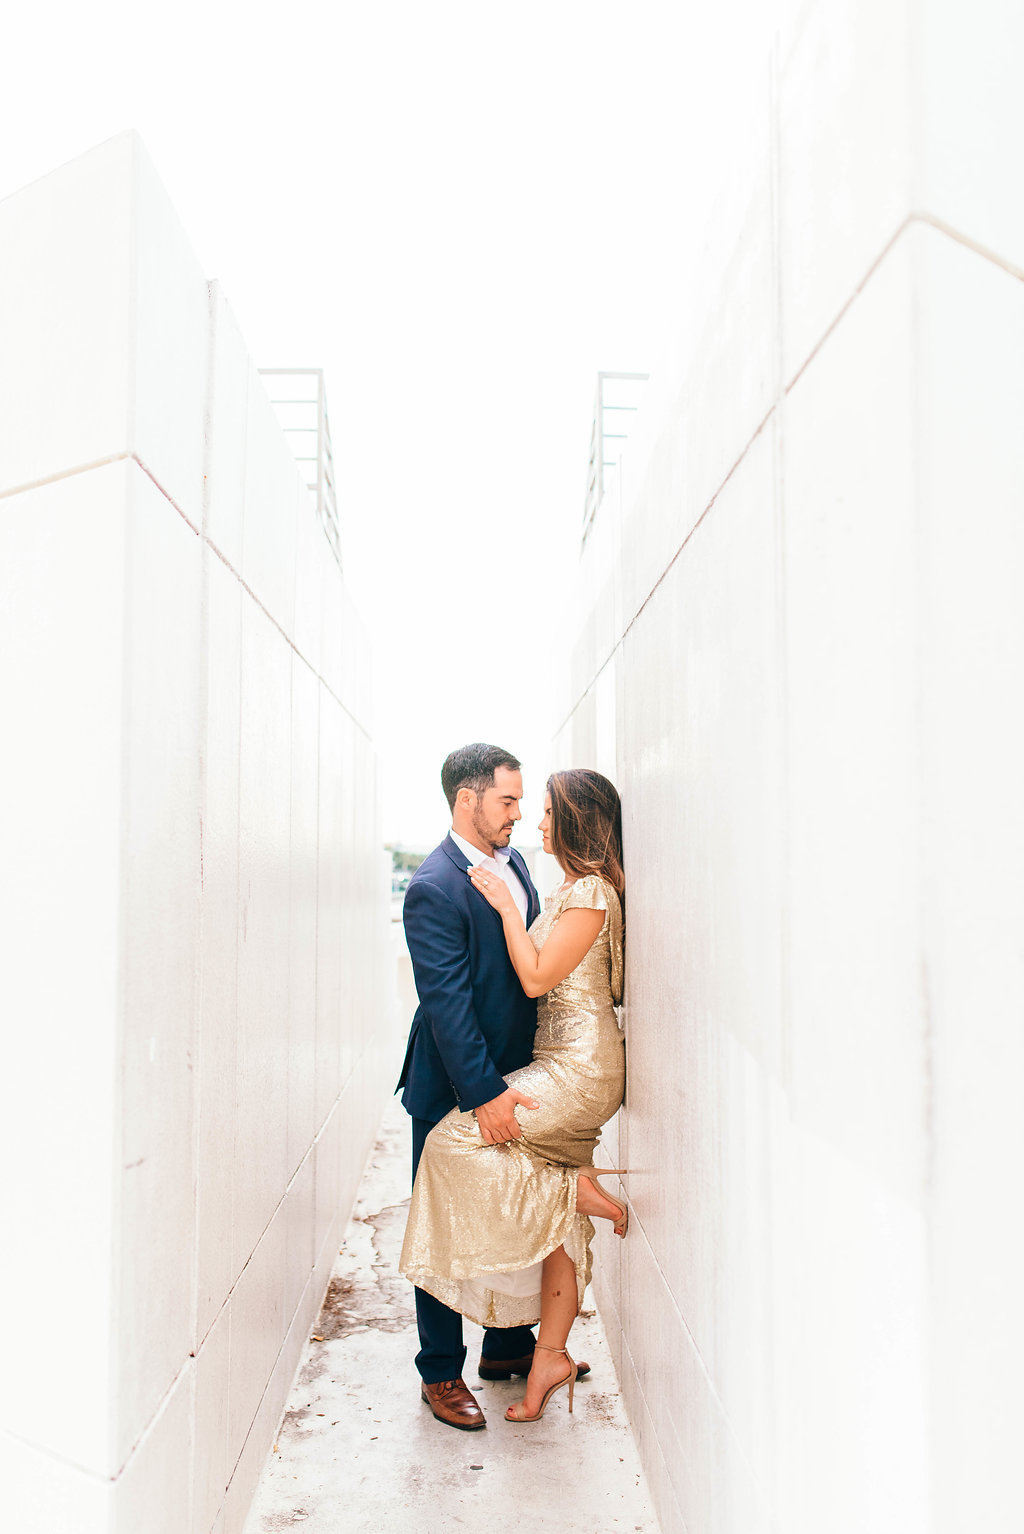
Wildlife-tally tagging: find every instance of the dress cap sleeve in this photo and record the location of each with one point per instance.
(588, 894)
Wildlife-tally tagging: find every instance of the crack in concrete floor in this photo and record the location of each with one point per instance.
(358, 1451)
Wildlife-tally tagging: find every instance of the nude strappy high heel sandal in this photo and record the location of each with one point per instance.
(594, 1175)
(513, 1414)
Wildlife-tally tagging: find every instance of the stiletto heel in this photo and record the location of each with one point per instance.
(594, 1174)
(512, 1415)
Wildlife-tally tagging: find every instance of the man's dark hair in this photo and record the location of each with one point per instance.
(474, 767)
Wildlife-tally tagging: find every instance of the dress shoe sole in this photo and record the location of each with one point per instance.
(500, 1371)
(464, 1427)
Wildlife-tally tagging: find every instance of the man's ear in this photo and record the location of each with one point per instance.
(465, 797)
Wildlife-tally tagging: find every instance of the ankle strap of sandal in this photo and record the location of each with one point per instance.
(548, 1348)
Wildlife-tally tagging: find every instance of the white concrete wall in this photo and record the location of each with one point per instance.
(195, 914)
(802, 662)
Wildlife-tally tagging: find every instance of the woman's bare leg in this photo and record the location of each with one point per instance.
(558, 1308)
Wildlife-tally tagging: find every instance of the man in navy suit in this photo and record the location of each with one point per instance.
(474, 1023)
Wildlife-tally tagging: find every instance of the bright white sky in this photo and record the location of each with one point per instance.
(461, 211)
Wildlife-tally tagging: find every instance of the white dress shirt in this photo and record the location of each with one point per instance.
(500, 860)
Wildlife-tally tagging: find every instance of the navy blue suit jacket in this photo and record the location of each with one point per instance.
(474, 1022)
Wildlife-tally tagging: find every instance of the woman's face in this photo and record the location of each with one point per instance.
(544, 826)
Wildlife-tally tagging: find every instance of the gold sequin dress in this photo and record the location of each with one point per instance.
(483, 1217)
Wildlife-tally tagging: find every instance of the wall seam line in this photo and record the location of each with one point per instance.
(289, 1186)
(55, 479)
(330, 1238)
(249, 591)
(705, 1371)
(838, 318)
(616, 646)
(287, 639)
(123, 457)
(58, 1459)
(781, 745)
(627, 1375)
(656, 1437)
(910, 219)
(965, 240)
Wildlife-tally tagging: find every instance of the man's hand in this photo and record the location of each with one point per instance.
(496, 1120)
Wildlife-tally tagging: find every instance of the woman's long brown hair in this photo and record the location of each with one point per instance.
(586, 826)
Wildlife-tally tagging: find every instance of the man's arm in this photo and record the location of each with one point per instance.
(439, 950)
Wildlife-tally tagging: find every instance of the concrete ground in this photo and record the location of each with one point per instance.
(359, 1451)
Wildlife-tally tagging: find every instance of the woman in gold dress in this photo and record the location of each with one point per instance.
(502, 1232)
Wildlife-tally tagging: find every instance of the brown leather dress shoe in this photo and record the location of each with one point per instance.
(453, 1402)
(504, 1368)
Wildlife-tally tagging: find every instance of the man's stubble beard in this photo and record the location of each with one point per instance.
(487, 833)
